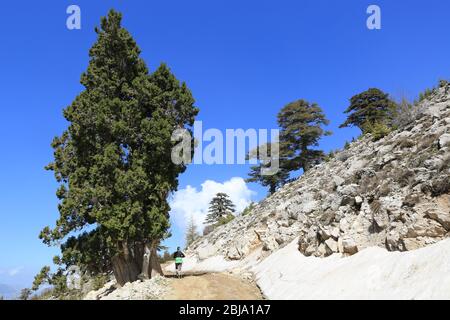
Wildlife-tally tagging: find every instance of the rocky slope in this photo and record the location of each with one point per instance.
(393, 193)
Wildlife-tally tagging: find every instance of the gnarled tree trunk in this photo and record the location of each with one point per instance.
(139, 261)
(124, 265)
(150, 264)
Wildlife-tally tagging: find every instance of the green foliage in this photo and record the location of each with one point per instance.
(191, 232)
(41, 278)
(113, 162)
(427, 93)
(330, 155)
(57, 280)
(347, 145)
(220, 207)
(225, 219)
(99, 281)
(248, 209)
(165, 257)
(266, 159)
(301, 128)
(377, 130)
(25, 294)
(371, 106)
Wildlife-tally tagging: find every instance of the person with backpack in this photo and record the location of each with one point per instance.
(178, 256)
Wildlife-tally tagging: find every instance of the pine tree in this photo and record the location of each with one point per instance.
(273, 180)
(370, 108)
(25, 294)
(301, 128)
(191, 232)
(165, 257)
(220, 207)
(113, 162)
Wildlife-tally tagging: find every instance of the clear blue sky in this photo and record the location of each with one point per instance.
(243, 61)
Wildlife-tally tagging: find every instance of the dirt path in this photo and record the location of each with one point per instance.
(213, 286)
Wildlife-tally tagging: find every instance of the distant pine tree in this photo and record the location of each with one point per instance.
(273, 181)
(191, 232)
(369, 108)
(301, 125)
(166, 256)
(220, 206)
(25, 294)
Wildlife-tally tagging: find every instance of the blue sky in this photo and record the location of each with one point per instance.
(243, 61)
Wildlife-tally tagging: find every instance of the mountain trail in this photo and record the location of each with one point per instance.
(212, 286)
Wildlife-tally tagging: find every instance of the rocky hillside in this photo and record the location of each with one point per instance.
(392, 193)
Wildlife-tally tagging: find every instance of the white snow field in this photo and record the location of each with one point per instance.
(373, 273)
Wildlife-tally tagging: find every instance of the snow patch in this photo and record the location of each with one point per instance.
(373, 273)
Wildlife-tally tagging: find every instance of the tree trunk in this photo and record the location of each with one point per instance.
(139, 261)
(273, 188)
(151, 265)
(124, 265)
(155, 265)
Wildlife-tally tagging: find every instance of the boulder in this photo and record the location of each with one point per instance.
(349, 246)
(441, 216)
(444, 140)
(425, 228)
(332, 245)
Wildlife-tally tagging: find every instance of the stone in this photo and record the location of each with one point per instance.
(440, 216)
(348, 190)
(444, 140)
(349, 246)
(270, 244)
(340, 245)
(334, 233)
(425, 228)
(347, 201)
(412, 244)
(234, 254)
(324, 234)
(392, 241)
(322, 251)
(338, 181)
(332, 245)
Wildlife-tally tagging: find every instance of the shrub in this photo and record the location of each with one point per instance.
(224, 220)
(99, 281)
(406, 143)
(249, 209)
(378, 130)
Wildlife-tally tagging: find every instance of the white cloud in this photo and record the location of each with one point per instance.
(14, 271)
(189, 201)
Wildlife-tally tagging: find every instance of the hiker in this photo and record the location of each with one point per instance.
(178, 255)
